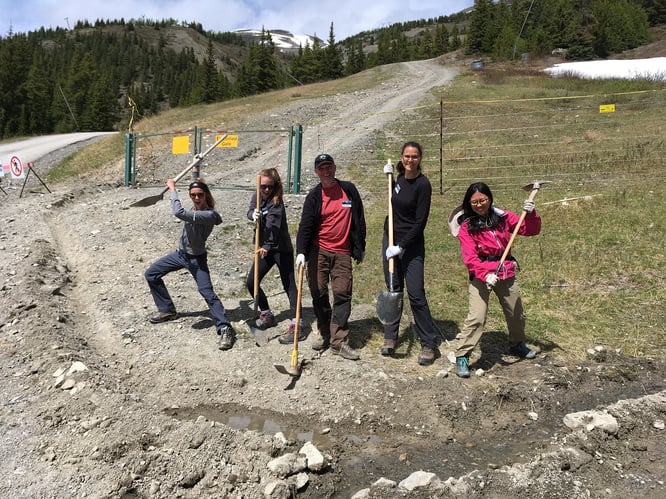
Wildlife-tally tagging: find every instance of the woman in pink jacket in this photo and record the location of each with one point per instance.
(484, 234)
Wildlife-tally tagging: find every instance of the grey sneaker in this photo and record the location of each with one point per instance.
(227, 337)
(320, 343)
(265, 320)
(345, 351)
(169, 315)
(462, 367)
(522, 350)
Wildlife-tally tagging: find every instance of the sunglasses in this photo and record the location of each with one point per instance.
(267, 186)
(197, 194)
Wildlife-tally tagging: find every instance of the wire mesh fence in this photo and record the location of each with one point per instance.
(579, 142)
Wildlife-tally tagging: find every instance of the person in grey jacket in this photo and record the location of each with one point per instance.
(191, 255)
(331, 233)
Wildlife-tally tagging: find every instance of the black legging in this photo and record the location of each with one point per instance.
(285, 265)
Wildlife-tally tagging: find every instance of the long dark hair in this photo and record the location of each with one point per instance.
(277, 191)
(400, 167)
(476, 223)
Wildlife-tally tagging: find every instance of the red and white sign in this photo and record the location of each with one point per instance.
(16, 167)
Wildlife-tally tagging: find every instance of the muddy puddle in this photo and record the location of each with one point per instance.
(364, 457)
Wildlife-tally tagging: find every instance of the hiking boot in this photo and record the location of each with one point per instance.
(345, 351)
(266, 319)
(388, 348)
(288, 337)
(522, 350)
(320, 343)
(169, 315)
(227, 337)
(462, 367)
(428, 355)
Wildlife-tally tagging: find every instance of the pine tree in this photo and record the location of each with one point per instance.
(332, 59)
(479, 28)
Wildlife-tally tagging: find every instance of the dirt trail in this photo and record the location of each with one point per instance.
(159, 411)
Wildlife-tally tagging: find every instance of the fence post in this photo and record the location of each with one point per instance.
(441, 144)
(298, 150)
(130, 169)
(289, 157)
(196, 147)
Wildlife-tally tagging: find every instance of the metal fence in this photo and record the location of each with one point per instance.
(579, 142)
(150, 158)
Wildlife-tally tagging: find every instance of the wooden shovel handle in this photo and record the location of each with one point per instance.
(390, 220)
(257, 230)
(297, 325)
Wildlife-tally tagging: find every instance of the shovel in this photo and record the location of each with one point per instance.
(257, 231)
(151, 200)
(389, 303)
(294, 368)
(260, 337)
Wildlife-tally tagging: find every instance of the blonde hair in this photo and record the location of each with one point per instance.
(278, 190)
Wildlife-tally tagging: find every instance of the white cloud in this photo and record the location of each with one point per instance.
(301, 18)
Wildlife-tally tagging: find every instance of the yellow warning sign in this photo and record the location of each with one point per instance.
(180, 145)
(607, 108)
(229, 141)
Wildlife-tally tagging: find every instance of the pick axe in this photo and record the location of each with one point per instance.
(533, 188)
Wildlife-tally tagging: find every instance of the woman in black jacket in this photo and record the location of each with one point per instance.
(275, 248)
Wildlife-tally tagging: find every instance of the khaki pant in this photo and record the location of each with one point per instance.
(508, 293)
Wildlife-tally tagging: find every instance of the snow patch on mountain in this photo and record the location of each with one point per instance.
(282, 39)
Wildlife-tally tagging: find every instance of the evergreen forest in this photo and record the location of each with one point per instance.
(105, 75)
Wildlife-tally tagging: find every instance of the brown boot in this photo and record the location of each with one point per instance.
(345, 351)
(428, 355)
(320, 342)
(388, 348)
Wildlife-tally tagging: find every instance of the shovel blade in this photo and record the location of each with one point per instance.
(389, 307)
(261, 337)
(149, 201)
(289, 371)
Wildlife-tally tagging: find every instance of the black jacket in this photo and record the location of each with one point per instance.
(274, 230)
(311, 220)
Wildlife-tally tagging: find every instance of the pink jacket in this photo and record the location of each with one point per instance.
(482, 250)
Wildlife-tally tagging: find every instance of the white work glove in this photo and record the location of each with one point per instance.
(528, 206)
(388, 169)
(256, 214)
(491, 280)
(300, 260)
(392, 251)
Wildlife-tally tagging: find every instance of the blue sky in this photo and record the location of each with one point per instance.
(300, 17)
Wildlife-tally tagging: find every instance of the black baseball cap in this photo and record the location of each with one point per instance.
(323, 159)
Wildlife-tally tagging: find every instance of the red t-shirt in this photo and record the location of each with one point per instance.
(336, 215)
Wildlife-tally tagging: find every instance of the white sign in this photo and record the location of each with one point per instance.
(16, 167)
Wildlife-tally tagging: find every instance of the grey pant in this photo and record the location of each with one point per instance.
(508, 293)
(198, 267)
